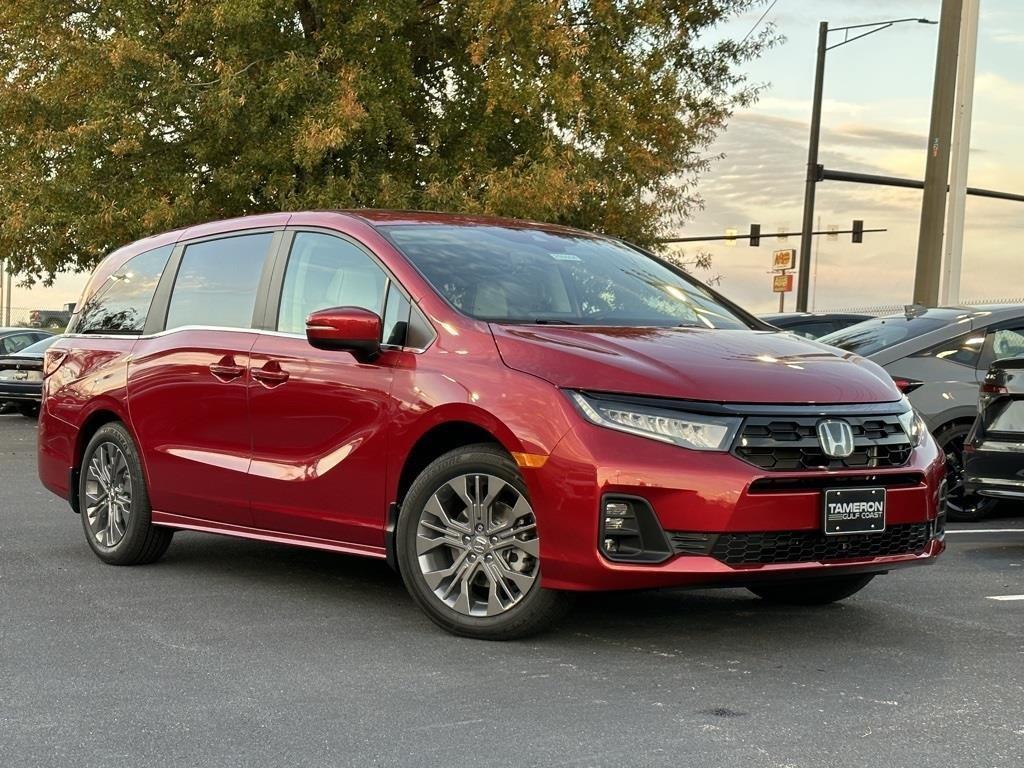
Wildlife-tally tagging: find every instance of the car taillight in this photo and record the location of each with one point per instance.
(906, 386)
(991, 388)
(53, 360)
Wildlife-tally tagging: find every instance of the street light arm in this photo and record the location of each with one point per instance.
(878, 26)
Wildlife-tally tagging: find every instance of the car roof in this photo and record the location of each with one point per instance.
(389, 217)
(16, 329)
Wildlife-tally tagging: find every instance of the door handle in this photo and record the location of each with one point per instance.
(226, 370)
(270, 375)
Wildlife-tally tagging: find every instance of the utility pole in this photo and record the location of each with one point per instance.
(953, 251)
(10, 281)
(804, 252)
(936, 176)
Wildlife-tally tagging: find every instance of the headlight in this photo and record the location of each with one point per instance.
(696, 431)
(913, 424)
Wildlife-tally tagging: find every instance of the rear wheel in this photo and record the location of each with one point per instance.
(29, 410)
(812, 591)
(114, 502)
(54, 324)
(960, 506)
(468, 547)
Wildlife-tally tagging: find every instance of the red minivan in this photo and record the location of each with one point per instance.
(506, 411)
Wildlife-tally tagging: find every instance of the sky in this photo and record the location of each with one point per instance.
(875, 119)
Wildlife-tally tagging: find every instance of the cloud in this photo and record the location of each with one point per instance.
(1008, 37)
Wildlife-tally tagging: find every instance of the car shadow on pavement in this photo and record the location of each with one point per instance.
(360, 588)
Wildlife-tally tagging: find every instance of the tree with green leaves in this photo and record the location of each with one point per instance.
(122, 118)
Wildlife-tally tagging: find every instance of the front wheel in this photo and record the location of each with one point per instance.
(961, 506)
(114, 502)
(468, 547)
(812, 591)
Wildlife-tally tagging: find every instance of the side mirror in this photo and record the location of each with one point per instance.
(353, 329)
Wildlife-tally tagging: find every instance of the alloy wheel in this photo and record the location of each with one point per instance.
(108, 494)
(477, 545)
(958, 500)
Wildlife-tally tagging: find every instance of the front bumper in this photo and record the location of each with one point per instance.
(27, 392)
(717, 494)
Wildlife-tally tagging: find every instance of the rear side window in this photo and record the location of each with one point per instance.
(217, 280)
(16, 343)
(121, 304)
(323, 272)
(965, 349)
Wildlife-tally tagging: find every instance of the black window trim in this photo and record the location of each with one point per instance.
(275, 283)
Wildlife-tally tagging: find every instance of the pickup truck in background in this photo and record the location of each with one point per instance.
(54, 319)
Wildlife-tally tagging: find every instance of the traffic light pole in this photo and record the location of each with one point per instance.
(804, 254)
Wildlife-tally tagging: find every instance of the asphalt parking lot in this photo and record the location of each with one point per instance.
(235, 653)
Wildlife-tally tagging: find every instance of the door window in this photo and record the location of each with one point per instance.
(326, 271)
(121, 304)
(217, 280)
(1007, 342)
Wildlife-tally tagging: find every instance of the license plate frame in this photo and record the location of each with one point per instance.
(847, 511)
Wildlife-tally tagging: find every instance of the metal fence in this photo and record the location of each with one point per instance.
(889, 309)
(15, 316)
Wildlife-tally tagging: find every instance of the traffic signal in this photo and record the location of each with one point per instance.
(858, 231)
(755, 235)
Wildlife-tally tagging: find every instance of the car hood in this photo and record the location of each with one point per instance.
(694, 364)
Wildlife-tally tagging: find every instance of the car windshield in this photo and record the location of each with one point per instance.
(512, 275)
(875, 335)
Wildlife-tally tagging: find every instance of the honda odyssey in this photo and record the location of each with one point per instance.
(507, 412)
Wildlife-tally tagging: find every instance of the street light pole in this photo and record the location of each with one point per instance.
(804, 254)
(859, 31)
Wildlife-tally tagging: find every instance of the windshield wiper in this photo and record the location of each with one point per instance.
(553, 321)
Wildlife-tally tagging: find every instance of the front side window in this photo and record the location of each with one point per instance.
(1007, 343)
(326, 271)
(121, 303)
(512, 275)
(217, 280)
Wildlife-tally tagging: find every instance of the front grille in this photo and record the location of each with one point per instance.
(804, 546)
(790, 444)
(820, 482)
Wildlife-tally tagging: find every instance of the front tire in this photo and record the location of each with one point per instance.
(29, 410)
(114, 502)
(468, 548)
(961, 507)
(812, 591)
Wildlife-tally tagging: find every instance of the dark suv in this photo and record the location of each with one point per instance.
(505, 411)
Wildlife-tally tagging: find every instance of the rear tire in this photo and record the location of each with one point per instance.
(29, 410)
(468, 549)
(812, 591)
(114, 502)
(961, 507)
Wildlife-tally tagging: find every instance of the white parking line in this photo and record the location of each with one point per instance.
(985, 530)
(1005, 597)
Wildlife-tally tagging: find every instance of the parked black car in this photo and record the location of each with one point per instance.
(994, 449)
(812, 325)
(21, 378)
(16, 339)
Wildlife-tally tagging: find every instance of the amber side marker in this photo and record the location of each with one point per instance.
(529, 460)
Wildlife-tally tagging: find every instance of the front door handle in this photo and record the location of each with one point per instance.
(226, 370)
(270, 375)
